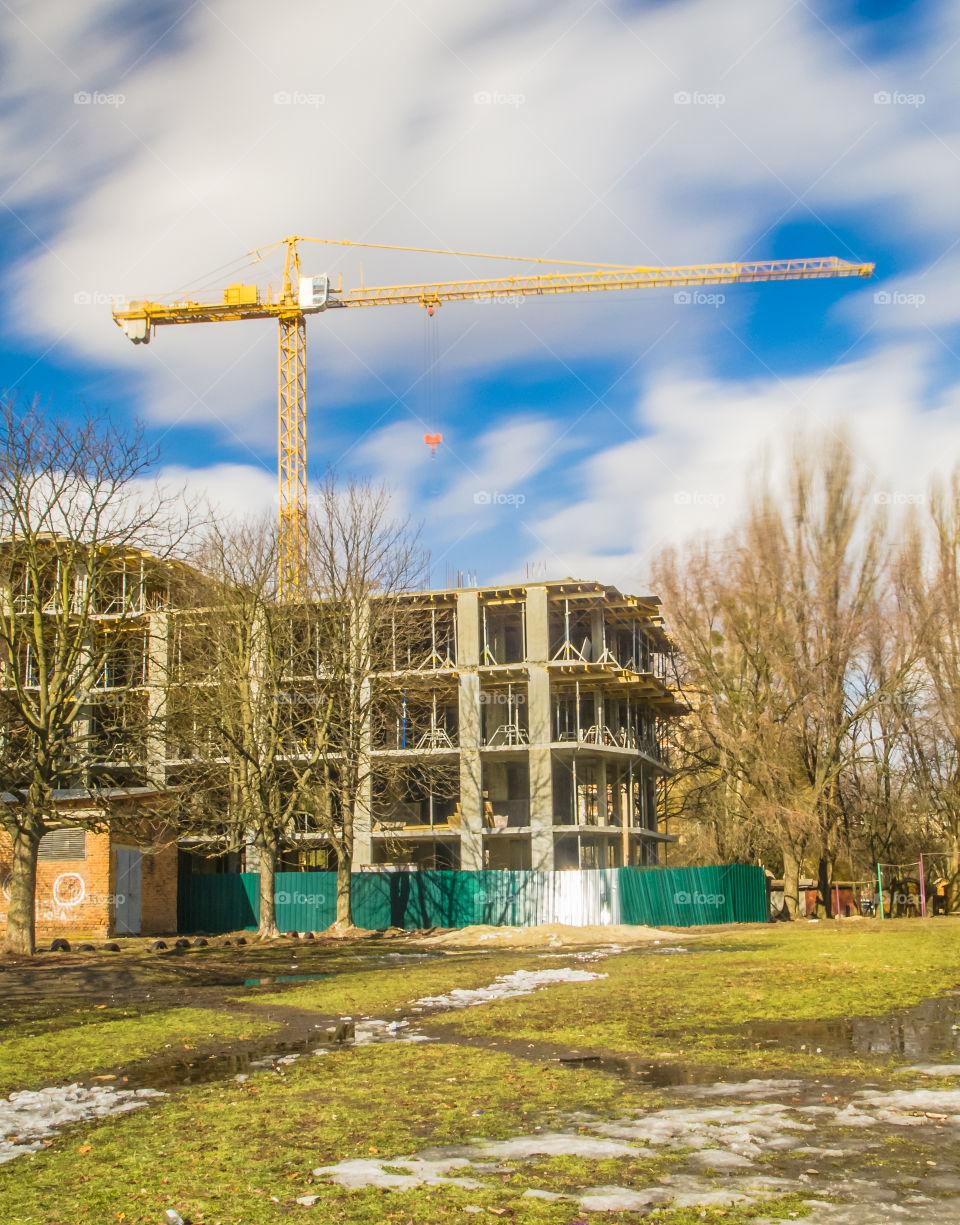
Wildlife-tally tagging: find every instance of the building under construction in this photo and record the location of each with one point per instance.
(512, 727)
(531, 719)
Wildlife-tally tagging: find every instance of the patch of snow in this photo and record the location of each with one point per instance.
(720, 1159)
(556, 1144)
(690, 1192)
(29, 1117)
(507, 986)
(746, 1088)
(936, 1069)
(915, 1099)
(621, 1199)
(726, 1140)
(417, 1172)
(747, 1131)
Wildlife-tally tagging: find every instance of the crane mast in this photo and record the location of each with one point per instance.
(292, 434)
(301, 295)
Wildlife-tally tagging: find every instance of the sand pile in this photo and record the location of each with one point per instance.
(554, 935)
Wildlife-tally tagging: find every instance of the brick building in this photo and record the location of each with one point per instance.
(119, 881)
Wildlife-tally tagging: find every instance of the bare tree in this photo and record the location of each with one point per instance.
(775, 631)
(737, 760)
(361, 562)
(249, 725)
(932, 589)
(78, 518)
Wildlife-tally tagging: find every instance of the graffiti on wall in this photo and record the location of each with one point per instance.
(61, 903)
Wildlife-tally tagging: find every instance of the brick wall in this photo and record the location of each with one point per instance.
(158, 914)
(73, 896)
(76, 898)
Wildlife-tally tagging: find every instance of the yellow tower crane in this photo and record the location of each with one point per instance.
(299, 296)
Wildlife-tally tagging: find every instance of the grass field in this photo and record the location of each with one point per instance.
(597, 1099)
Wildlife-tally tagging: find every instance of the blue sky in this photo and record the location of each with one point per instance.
(145, 146)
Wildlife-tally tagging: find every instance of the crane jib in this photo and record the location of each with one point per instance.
(317, 293)
(300, 296)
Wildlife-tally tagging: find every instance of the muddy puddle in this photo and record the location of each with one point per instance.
(655, 1075)
(223, 1065)
(930, 1031)
(325, 1037)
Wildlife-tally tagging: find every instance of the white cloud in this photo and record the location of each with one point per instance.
(702, 446)
(228, 491)
(698, 450)
(578, 146)
(582, 150)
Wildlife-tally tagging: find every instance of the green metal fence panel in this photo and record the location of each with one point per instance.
(306, 901)
(218, 902)
(415, 900)
(689, 897)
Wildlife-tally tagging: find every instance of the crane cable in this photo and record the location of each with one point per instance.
(260, 252)
(430, 398)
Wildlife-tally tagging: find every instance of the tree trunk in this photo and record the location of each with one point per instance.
(824, 900)
(268, 905)
(21, 914)
(791, 882)
(344, 920)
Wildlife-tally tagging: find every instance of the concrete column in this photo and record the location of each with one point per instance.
(603, 814)
(363, 809)
(539, 724)
(538, 625)
(468, 629)
(596, 632)
(471, 770)
(471, 774)
(158, 630)
(541, 809)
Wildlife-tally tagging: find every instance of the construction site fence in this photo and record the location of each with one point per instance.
(306, 901)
